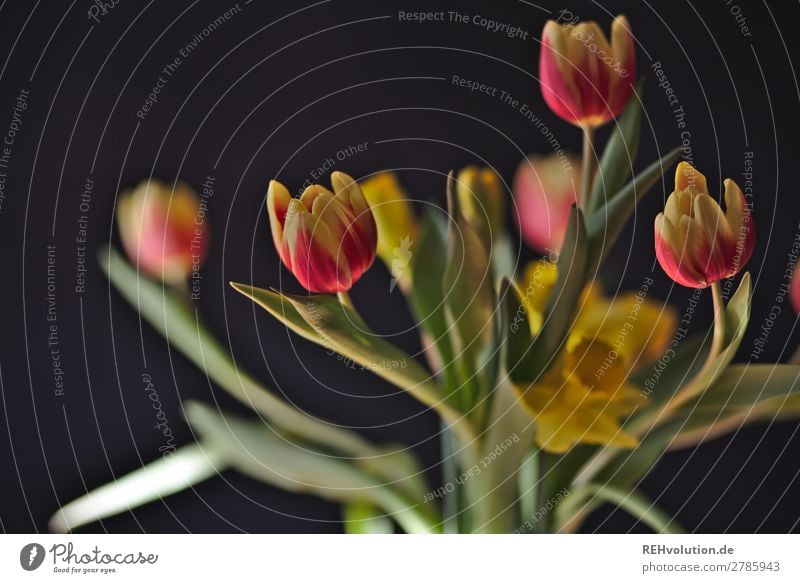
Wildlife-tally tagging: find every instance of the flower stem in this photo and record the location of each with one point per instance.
(344, 299)
(587, 167)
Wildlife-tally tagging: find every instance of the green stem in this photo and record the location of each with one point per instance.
(344, 299)
(182, 469)
(588, 165)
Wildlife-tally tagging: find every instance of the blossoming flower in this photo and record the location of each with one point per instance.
(326, 239)
(584, 394)
(696, 243)
(585, 79)
(159, 229)
(544, 191)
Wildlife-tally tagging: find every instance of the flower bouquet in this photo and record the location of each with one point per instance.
(553, 396)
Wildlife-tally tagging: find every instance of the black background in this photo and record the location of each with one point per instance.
(271, 94)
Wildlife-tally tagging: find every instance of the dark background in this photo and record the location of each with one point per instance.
(271, 94)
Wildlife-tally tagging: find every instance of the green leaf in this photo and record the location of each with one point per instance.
(620, 152)
(283, 310)
(703, 424)
(633, 502)
(469, 297)
(182, 328)
(606, 224)
(263, 454)
(747, 384)
(661, 380)
(515, 324)
(562, 305)
(340, 328)
(427, 299)
(185, 467)
(528, 484)
(365, 518)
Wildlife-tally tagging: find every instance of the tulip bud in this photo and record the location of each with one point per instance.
(696, 243)
(544, 191)
(160, 232)
(585, 80)
(394, 217)
(482, 199)
(326, 240)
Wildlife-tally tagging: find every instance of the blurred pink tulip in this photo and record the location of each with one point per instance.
(545, 188)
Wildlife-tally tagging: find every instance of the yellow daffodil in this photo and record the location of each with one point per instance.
(584, 394)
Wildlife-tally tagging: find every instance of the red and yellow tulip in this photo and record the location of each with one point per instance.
(160, 230)
(697, 243)
(585, 79)
(326, 239)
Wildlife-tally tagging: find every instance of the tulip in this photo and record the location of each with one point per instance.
(326, 240)
(482, 199)
(585, 79)
(544, 190)
(162, 230)
(394, 217)
(696, 243)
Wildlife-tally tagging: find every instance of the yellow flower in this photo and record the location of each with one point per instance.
(585, 393)
(394, 216)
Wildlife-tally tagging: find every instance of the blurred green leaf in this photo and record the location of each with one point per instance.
(469, 297)
(619, 155)
(365, 518)
(427, 299)
(562, 305)
(281, 308)
(184, 330)
(259, 452)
